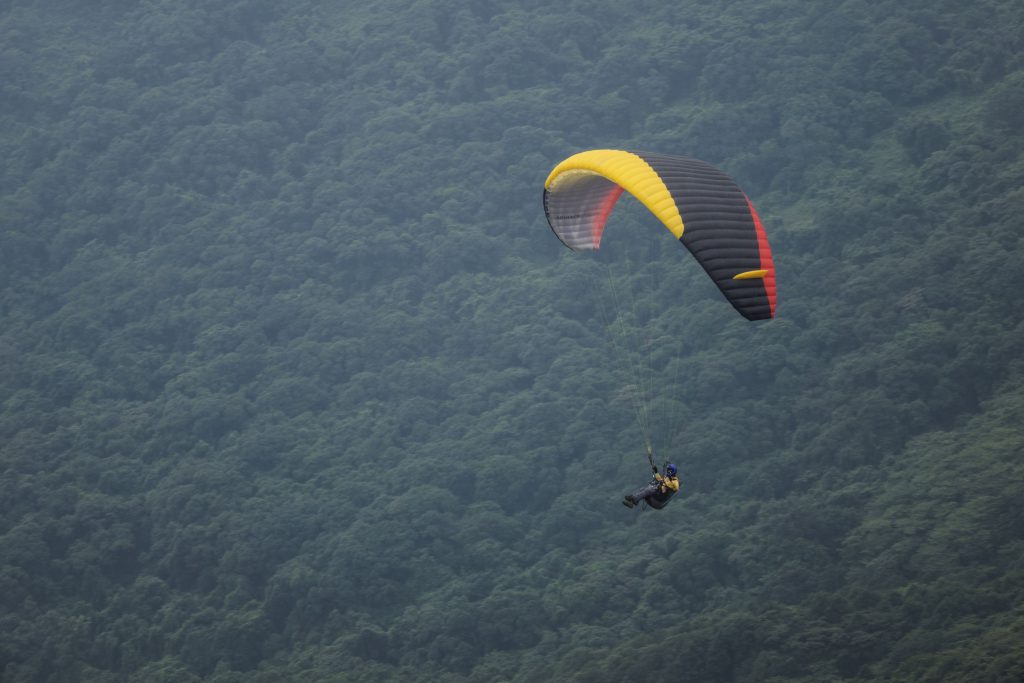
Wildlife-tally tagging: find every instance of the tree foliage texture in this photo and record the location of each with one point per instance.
(295, 384)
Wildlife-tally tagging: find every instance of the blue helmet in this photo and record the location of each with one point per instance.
(671, 469)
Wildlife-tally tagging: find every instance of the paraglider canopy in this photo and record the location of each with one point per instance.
(699, 204)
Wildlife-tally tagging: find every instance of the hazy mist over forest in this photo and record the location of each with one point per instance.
(296, 383)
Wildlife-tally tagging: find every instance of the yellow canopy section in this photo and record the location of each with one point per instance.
(628, 171)
(750, 275)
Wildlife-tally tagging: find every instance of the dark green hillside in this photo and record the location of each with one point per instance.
(296, 383)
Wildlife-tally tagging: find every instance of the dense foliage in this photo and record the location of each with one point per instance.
(297, 385)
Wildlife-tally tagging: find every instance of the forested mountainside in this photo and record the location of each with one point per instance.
(297, 384)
